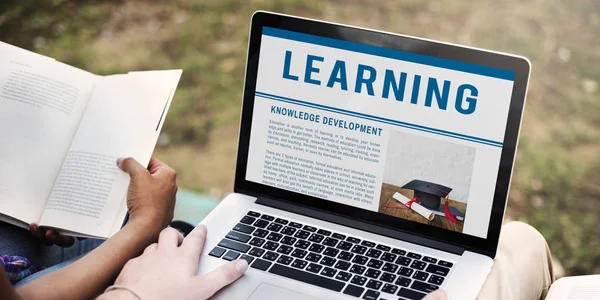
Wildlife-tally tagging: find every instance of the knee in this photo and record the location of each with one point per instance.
(524, 235)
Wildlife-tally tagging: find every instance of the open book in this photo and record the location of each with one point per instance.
(62, 130)
(575, 288)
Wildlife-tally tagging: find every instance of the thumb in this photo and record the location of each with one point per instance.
(132, 167)
(436, 295)
(214, 281)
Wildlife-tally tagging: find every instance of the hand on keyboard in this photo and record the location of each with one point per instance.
(437, 295)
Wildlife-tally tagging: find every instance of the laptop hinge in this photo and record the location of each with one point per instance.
(360, 225)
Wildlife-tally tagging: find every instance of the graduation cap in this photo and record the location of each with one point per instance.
(428, 193)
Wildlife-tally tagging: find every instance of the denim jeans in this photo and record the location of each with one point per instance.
(18, 241)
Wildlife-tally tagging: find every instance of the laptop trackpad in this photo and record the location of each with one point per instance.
(267, 291)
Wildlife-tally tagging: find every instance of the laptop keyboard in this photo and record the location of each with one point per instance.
(331, 260)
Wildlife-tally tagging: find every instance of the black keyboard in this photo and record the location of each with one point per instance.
(331, 260)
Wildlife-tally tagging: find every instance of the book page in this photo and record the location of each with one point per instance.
(123, 119)
(575, 288)
(41, 104)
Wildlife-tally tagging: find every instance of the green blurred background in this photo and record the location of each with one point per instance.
(556, 183)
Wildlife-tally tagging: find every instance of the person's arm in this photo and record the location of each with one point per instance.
(151, 200)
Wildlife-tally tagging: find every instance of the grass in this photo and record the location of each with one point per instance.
(556, 183)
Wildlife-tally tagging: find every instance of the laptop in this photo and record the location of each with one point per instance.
(350, 141)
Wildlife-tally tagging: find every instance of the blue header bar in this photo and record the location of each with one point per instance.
(390, 53)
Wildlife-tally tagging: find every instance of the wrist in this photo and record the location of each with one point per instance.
(149, 225)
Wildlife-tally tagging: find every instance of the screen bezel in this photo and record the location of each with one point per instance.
(519, 65)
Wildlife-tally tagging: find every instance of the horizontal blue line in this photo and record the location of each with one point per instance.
(382, 120)
(390, 53)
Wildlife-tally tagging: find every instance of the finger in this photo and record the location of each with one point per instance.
(194, 242)
(222, 276)
(169, 238)
(436, 295)
(155, 164)
(59, 239)
(35, 230)
(151, 247)
(132, 167)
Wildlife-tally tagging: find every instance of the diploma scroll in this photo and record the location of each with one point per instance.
(418, 208)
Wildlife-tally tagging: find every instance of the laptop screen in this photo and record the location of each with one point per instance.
(402, 134)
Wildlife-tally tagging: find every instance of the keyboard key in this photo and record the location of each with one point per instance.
(247, 220)
(403, 261)
(444, 263)
(372, 273)
(288, 240)
(338, 236)
(261, 223)
(413, 255)
(388, 267)
(260, 264)
(229, 244)
(373, 263)
(403, 281)
(436, 279)
(272, 256)
(328, 261)
(274, 227)
(404, 271)
(316, 248)
(302, 234)
(383, 248)
(309, 228)
(388, 277)
(419, 265)
(331, 252)
(342, 265)
(267, 217)
(314, 268)
(389, 257)
(243, 228)
(398, 251)
(307, 277)
(358, 249)
(283, 249)
(371, 295)
(289, 230)
(314, 257)
(419, 275)
(281, 221)
(258, 242)
(299, 264)
(356, 269)
(316, 238)
(437, 270)
(248, 258)
(389, 288)
(373, 253)
(368, 244)
(331, 242)
(353, 290)
(324, 232)
(261, 233)
(424, 287)
(217, 252)
(271, 246)
(253, 214)
(359, 259)
(329, 272)
(299, 253)
(353, 240)
(429, 259)
(343, 276)
(296, 225)
(413, 295)
(284, 260)
(302, 244)
(374, 284)
(345, 255)
(344, 246)
(275, 237)
(230, 255)
(358, 280)
(256, 252)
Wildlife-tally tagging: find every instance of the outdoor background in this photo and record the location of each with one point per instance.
(556, 184)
